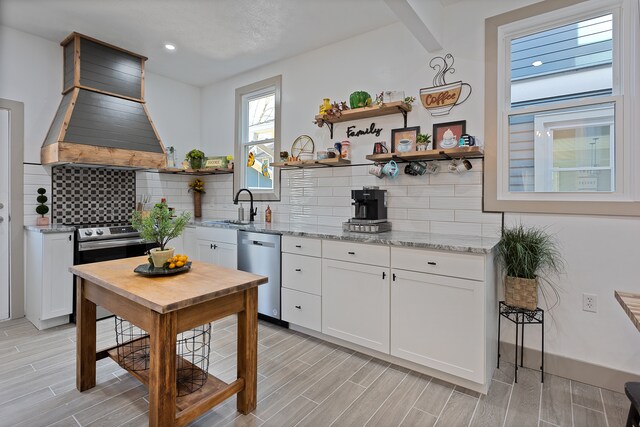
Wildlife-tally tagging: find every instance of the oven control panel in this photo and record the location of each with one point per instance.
(104, 233)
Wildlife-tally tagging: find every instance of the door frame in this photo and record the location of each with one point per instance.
(16, 206)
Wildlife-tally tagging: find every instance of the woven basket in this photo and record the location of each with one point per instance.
(521, 293)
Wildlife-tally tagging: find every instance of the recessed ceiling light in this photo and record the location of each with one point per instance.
(534, 63)
(170, 46)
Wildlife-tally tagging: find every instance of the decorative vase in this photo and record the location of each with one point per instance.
(160, 257)
(521, 293)
(195, 163)
(42, 220)
(197, 204)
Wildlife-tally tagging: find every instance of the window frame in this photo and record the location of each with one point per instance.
(245, 94)
(499, 30)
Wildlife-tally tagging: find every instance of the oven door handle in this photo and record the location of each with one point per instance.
(106, 244)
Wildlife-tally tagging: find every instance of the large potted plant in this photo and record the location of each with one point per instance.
(159, 227)
(195, 158)
(530, 260)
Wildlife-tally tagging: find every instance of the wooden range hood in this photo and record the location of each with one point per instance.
(102, 118)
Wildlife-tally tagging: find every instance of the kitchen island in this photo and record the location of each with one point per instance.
(165, 306)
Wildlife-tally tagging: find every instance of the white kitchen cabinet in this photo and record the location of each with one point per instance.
(302, 281)
(436, 322)
(217, 246)
(189, 242)
(49, 284)
(355, 303)
(443, 311)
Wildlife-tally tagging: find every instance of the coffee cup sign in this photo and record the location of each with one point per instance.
(442, 96)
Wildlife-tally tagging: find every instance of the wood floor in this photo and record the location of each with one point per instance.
(302, 381)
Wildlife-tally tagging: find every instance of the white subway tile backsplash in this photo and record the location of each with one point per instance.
(430, 190)
(340, 181)
(456, 203)
(478, 216)
(396, 213)
(468, 229)
(430, 214)
(445, 177)
(474, 190)
(407, 202)
(408, 225)
(491, 230)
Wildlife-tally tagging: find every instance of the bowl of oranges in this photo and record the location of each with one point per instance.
(176, 264)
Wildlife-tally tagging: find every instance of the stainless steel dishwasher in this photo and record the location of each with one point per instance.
(259, 253)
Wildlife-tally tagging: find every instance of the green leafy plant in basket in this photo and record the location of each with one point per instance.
(158, 226)
(530, 259)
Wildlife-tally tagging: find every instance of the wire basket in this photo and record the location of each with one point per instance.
(192, 351)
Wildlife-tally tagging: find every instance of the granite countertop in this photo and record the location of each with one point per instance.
(51, 228)
(445, 242)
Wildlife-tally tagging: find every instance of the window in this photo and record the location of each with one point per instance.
(562, 81)
(258, 138)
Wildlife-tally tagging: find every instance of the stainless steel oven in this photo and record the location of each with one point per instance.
(95, 244)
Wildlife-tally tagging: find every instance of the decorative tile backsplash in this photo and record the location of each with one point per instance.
(82, 195)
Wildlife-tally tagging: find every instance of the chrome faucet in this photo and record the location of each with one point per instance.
(252, 212)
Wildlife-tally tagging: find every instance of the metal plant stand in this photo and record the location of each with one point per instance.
(521, 316)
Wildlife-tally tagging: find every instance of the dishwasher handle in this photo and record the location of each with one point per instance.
(253, 242)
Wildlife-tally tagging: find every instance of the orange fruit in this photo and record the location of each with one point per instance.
(182, 258)
(172, 265)
(179, 264)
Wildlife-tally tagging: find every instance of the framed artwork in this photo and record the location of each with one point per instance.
(447, 135)
(403, 140)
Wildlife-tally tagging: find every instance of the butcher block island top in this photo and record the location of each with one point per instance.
(163, 307)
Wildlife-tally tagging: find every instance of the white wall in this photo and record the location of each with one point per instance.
(601, 252)
(31, 72)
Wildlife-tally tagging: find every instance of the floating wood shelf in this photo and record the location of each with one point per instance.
(337, 161)
(448, 153)
(365, 112)
(178, 171)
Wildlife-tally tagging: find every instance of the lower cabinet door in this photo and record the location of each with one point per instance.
(204, 251)
(218, 253)
(355, 303)
(57, 281)
(301, 308)
(438, 321)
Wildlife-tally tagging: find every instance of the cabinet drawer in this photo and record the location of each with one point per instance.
(302, 246)
(224, 235)
(302, 273)
(356, 252)
(301, 309)
(455, 264)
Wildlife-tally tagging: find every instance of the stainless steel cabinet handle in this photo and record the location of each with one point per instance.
(299, 307)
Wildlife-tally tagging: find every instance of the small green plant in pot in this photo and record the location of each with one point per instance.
(530, 259)
(423, 141)
(42, 209)
(158, 226)
(195, 158)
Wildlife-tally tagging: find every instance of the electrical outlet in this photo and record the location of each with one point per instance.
(589, 302)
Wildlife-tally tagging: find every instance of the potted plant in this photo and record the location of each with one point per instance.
(423, 141)
(195, 158)
(529, 257)
(42, 209)
(159, 227)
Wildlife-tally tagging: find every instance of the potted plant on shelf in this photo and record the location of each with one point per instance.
(159, 227)
(529, 257)
(423, 142)
(197, 186)
(195, 158)
(42, 209)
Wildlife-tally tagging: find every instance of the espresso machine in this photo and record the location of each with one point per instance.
(370, 211)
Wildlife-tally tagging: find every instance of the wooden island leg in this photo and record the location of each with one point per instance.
(162, 370)
(85, 338)
(248, 351)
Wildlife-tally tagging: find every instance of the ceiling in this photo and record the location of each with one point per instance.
(215, 39)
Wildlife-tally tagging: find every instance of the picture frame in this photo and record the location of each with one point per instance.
(457, 128)
(399, 138)
(215, 162)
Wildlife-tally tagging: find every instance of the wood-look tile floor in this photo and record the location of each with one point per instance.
(302, 382)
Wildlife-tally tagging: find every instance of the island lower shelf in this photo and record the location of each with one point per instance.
(213, 392)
